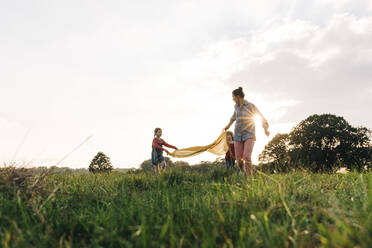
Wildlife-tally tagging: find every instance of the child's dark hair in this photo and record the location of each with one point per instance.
(231, 134)
(238, 92)
(156, 130)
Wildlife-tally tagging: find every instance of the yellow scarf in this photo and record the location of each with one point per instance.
(218, 147)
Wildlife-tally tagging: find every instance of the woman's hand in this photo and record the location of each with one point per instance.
(167, 152)
(228, 126)
(267, 132)
(265, 126)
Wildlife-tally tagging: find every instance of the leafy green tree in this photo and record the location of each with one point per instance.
(369, 165)
(320, 143)
(147, 165)
(275, 155)
(100, 163)
(327, 142)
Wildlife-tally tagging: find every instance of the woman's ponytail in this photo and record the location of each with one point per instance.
(238, 92)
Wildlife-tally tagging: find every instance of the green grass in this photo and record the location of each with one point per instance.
(188, 208)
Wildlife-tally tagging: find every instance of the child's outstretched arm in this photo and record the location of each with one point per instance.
(168, 145)
(156, 145)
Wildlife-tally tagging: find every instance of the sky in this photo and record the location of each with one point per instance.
(106, 73)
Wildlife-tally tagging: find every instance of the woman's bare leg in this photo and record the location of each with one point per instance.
(249, 168)
(242, 165)
(248, 148)
(239, 148)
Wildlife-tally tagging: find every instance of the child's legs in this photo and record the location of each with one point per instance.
(163, 164)
(162, 160)
(157, 159)
(247, 153)
(157, 168)
(229, 163)
(160, 167)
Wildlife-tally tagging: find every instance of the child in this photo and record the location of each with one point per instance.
(157, 150)
(230, 155)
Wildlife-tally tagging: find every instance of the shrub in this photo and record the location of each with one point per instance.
(100, 163)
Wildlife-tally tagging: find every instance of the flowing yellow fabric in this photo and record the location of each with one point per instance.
(218, 147)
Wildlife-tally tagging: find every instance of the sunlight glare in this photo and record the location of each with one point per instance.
(257, 120)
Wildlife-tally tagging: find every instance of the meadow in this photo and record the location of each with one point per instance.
(208, 206)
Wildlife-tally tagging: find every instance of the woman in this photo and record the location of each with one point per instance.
(245, 131)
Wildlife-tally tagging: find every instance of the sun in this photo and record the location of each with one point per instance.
(257, 120)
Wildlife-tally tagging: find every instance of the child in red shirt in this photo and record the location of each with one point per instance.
(157, 150)
(230, 155)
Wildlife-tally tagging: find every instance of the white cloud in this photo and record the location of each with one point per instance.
(321, 67)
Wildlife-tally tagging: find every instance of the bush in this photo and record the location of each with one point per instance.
(100, 163)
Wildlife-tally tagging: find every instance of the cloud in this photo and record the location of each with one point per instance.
(325, 69)
(118, 69)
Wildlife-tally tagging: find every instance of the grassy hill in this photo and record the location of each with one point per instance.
(185, 207)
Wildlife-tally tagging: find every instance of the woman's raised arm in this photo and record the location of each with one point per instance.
(232, 119)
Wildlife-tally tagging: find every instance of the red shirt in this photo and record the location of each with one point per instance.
(158, 142)
(230, 155)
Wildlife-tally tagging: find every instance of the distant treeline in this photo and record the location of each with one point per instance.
(320, 143)
(68, 170)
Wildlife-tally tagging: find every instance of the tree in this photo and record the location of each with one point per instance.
(321, 143)
(100, 163)
(148, 166)
(276, 155)
(327, 142)
(360, 156)
(369, 165)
